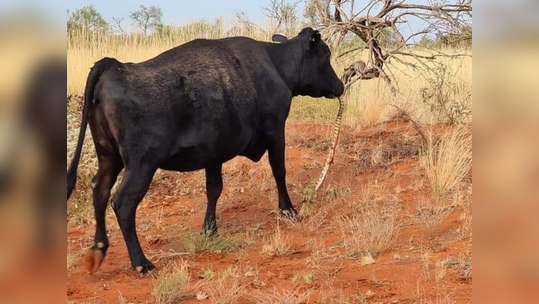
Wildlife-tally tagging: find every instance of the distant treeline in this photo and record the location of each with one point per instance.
(87, 26)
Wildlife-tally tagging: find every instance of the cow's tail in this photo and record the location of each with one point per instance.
(96, 71)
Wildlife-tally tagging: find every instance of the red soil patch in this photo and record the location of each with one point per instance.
(381, 159)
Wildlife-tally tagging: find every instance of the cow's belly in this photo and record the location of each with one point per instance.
(187, 161)
(192, 159)
(205, 152)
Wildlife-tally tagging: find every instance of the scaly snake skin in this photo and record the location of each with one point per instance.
(334, 141)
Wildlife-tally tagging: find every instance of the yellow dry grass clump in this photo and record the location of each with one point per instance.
(447, 159)
(277, 243)
(170, 283)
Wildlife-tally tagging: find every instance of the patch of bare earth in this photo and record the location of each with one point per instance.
(415, 246)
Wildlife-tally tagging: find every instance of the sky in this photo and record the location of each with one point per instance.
(179, 11)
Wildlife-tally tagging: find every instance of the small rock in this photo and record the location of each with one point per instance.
(367, 260)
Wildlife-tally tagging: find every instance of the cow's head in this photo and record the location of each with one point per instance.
(316, 75)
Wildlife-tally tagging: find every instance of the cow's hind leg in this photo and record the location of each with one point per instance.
(134, 186)
(214, 187)
(109, 168)
(276, 153)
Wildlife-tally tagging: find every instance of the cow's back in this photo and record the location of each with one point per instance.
(196, 99)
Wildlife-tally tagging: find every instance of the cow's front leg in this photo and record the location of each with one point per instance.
(214, 187)
(277, 161)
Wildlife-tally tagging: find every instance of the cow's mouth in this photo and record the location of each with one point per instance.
(331, 96)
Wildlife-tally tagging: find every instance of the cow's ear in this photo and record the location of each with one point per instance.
(315, 39)
(279, 38)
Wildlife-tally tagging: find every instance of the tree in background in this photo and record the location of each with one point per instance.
(86, 18)
(284, 16)
(462, 38)
(147, 18)
(117, 23)
(383, 27)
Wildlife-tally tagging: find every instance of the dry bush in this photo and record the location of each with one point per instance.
(197, 243)
(463, 264)
(283, 296)
(277, 243)
(430, 217)
(447, 159)
(226, 290)
(368, 231)
(229, 286)
(170, 283)
(316, 220)
(448, 101)
(206, 274)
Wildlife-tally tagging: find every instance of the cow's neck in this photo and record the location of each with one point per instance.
(287, 59)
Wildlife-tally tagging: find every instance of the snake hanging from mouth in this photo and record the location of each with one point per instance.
(334, 141)
(347, 79)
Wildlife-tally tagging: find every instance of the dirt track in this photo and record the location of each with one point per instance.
(377, 163)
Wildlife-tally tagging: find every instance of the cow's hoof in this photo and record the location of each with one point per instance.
(93, 258)
(290, 214)
(146, 268)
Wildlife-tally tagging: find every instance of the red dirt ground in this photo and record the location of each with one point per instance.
(380, 160)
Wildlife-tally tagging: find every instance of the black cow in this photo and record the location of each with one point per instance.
(194, 107)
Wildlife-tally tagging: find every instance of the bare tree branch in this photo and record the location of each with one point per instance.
(284, 15)
(117, 23)
(376, 22)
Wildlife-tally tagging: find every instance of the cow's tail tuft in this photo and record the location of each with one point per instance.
(97, 70)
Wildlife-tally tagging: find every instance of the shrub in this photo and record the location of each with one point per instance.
(170, 283)
(447, 159)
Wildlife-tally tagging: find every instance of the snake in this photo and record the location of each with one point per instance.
(334, 141)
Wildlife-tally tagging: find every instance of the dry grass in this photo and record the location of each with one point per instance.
(425, 258)
(81, 213)
(277, 243)
(463, 264)
(206, 274)
(170, 283)
(80, 209)
(430, 217)
(447, 159)
(197, 243)
(71, 259)
(373, 110)
(283, 296)
(229, 286)
(121, 298)
(226, 290)
(368, 231)
(314, 222)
